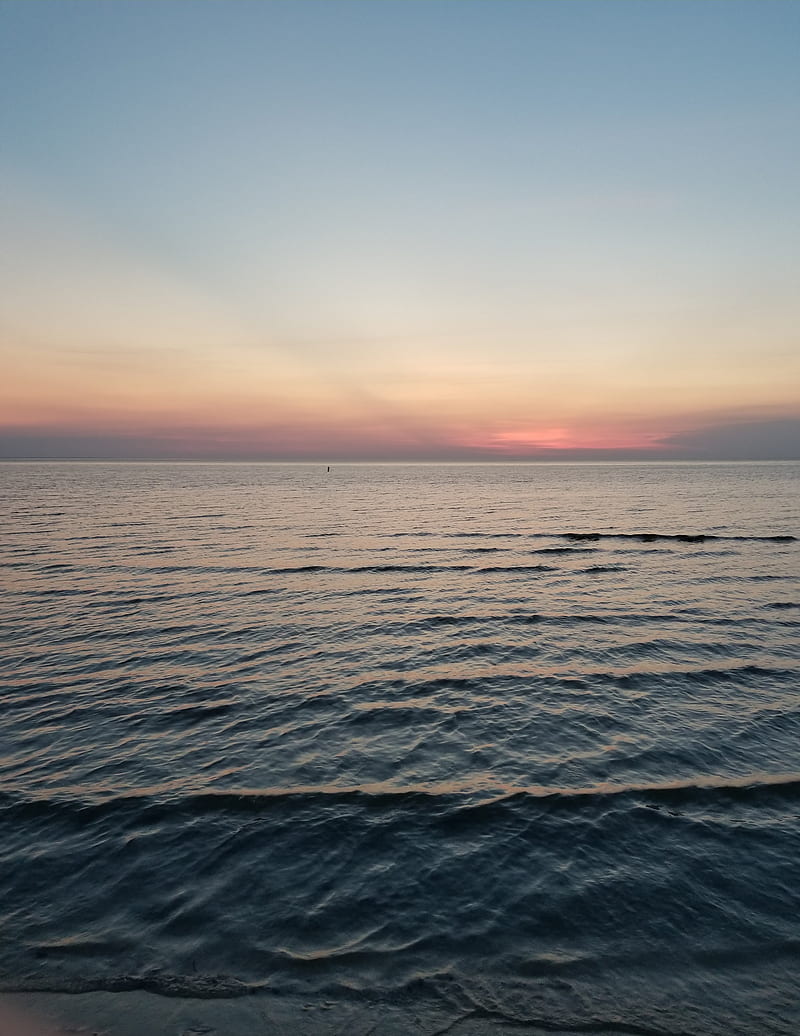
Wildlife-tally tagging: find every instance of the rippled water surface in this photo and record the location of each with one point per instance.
(517, 743)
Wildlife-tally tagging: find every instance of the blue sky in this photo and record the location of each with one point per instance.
(434, 229)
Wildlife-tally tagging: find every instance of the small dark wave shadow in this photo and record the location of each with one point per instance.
(397, 567)
(564, 550)
(406, 568)
(600, 569)
(450, 808)
(517, 568)
(593, 537)
(655, 537)
(293, 569)
(190, 715)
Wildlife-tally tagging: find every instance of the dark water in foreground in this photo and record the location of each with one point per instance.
(398, 734)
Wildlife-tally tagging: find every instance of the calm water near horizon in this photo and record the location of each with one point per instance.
(500, 743)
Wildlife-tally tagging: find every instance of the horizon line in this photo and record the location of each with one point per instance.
(355, 462)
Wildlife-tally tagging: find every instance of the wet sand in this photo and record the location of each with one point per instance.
(137, 1014)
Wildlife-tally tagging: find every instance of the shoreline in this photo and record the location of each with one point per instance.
(134, 1013)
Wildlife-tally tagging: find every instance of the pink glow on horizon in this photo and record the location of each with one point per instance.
(365, 431)
(553, 439)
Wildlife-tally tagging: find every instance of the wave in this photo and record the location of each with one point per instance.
(482, 535)
(406, 568)
(590, 537)
(598, 569)
(641, 537)
(680, 537)
(297, 568)
(562, 550)
(397, 567)
(517, 568)
(447, 800)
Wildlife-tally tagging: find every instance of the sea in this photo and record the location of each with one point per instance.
(408, 748)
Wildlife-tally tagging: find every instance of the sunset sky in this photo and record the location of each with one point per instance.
(426, 230)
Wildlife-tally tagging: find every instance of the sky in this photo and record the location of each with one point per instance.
(396, 230)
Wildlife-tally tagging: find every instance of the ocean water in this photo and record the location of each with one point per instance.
(491, 744)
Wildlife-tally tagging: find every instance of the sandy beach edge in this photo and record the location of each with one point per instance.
(138, 1013)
